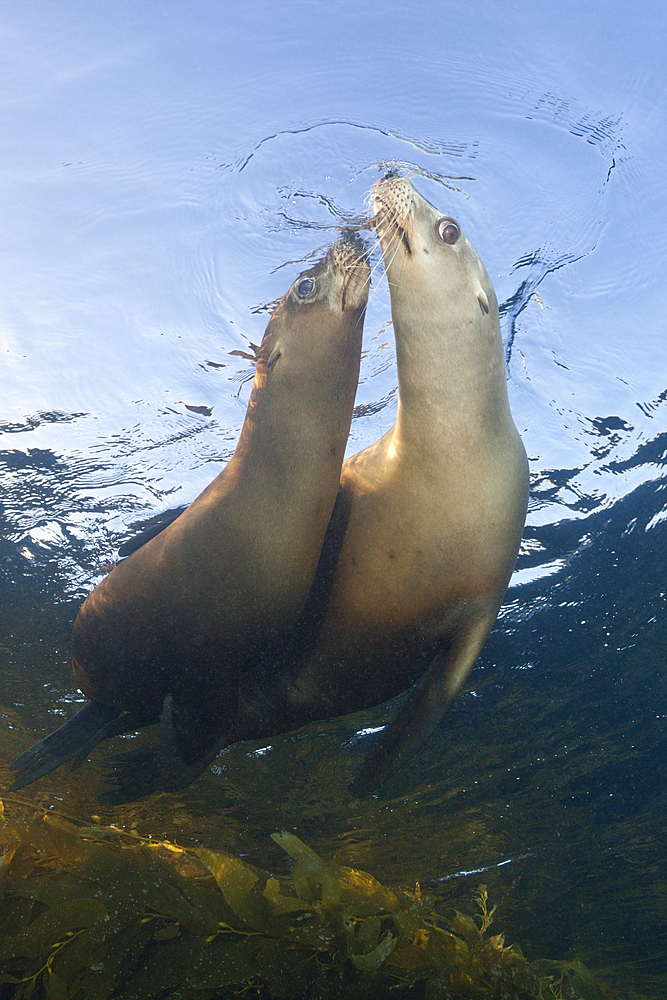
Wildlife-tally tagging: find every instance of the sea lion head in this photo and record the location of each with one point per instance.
(308, 362)
(431, 265)
(320, 314)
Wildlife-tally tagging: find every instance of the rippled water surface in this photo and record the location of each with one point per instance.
(165, 171)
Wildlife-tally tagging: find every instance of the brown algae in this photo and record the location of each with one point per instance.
(97, 913)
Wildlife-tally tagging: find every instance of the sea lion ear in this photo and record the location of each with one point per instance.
(483, 301)
(273, 356)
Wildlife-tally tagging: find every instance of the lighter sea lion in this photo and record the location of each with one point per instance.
(435, 508)
(166, 634)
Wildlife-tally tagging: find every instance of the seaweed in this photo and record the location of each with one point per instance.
(104, 914)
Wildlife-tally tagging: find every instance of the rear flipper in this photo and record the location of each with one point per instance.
(431, 697)
(73, 741)
(156, 768)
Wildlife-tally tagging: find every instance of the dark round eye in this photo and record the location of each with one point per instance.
(448, 231)
(305, 288)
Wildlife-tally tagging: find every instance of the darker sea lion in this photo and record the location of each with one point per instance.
(434, 509)
(167, 633)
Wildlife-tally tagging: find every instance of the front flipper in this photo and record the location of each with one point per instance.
(73, 741)
(156, 768)
(432, 696)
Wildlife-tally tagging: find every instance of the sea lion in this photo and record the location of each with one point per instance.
(435, 509)
(167, 633)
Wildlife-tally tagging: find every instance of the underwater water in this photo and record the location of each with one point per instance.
(166, 170)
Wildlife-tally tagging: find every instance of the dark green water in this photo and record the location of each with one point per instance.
(546, 781)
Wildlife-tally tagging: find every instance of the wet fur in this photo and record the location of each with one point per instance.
(436, 509)
(167, 634)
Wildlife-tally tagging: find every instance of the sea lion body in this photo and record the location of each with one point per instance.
(167, 633)
(229, 577)
(436, 507)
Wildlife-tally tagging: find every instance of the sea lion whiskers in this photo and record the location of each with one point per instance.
(372, 293)
(390, 222)
(390, 216)
(372, 199)
(380, 263)
(389, 225)
(346, 250)
(352, 255)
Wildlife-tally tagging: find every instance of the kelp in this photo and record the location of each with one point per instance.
(103, 914)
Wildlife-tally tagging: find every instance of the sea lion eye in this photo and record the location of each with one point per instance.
(448, 231)
(305, 288)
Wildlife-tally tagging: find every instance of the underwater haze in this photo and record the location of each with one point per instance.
(166, 171)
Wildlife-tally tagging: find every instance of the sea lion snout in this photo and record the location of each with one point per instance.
(351, 257)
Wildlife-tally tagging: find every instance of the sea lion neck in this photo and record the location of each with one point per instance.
(448, 385)
(310, 352)
(449, 353)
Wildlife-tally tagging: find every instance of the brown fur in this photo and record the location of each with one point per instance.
(436, 506)
(167, 633)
